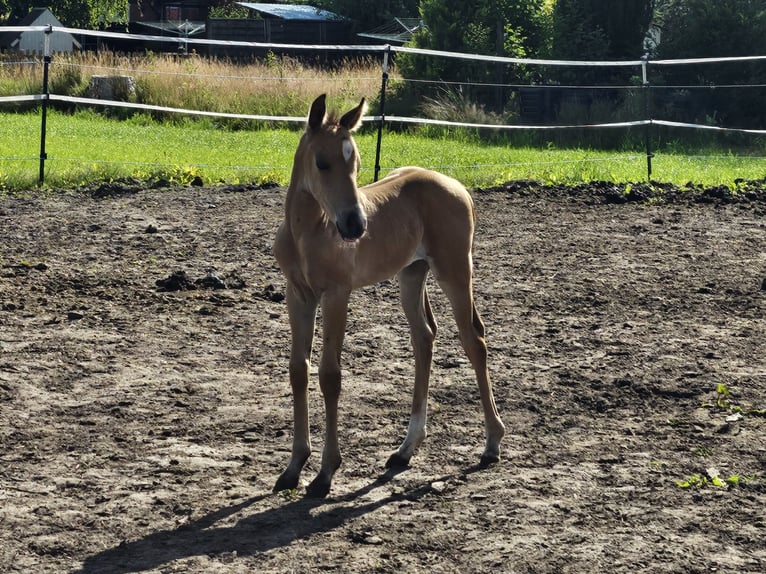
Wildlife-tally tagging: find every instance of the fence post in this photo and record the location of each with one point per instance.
(46, 94)
(384, 81)
(648, 115)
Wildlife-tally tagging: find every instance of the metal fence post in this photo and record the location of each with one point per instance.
(46, 94)
(384, 81)
(647, 114)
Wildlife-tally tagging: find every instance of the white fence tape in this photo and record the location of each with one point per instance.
(33, 98)
(408, 120)
(372, 118)
(148, 107)
(705, 127)
(505, 60)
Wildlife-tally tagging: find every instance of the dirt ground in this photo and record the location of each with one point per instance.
(145, 408)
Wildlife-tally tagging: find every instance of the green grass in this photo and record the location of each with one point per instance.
(87, 146)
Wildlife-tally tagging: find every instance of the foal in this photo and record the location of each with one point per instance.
(335, 238)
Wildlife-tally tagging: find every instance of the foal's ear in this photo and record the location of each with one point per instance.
(317, 112)
(353, 119)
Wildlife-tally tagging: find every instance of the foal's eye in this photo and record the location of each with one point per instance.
(322, 165)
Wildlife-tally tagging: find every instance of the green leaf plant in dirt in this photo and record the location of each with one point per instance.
(724, 403)
(733, 414)
(712, 478)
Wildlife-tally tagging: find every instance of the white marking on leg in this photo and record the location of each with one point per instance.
(416, 434)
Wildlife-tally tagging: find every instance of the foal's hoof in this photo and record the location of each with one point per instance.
(319, 487)
(488, 460)
(397, 461)
(285, 482)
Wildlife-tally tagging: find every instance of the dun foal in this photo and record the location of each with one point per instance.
(335, 238)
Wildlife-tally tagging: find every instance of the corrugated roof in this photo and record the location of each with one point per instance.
(293, 12)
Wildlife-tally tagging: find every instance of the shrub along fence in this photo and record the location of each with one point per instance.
(534, 100)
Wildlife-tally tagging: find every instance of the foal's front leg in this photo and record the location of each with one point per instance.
(301, 308)
(334, 311)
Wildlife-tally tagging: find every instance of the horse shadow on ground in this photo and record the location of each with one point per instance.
(261, 532)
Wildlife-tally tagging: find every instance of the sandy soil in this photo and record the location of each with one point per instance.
(142, 427)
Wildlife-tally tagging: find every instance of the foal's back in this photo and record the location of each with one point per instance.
(430, 211)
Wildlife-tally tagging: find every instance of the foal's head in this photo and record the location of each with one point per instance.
(327, 163)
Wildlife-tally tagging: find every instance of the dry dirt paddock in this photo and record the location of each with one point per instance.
(143, 424)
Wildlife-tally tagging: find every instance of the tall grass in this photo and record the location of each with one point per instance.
(269, 86)
(19, 76)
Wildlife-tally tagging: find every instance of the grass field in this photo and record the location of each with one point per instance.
(87, 146)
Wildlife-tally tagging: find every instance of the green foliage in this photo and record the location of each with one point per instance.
(181, 175)
(713, 478)
(510, 28)
(596, 30)
(710, 28)
(506, 28)
(453, 106)
(228, 9)
(74, 13)
(706, 29)
(700, 481)
(694, 481)
(725, 402)
(67, 80)
(289, 495)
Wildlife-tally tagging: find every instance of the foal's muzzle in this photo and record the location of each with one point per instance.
(351, 223)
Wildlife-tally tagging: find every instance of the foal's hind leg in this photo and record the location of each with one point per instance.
(471, 329)
(422, 333)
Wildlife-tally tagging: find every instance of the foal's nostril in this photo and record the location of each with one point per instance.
(352, 224)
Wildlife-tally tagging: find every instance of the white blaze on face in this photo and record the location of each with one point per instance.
(348, 150)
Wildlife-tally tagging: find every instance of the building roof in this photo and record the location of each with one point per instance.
(38, 17)
(292, 12)
(397, 32)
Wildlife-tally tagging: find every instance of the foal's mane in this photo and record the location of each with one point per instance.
(332, 119)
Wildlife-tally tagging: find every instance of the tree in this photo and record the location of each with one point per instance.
(708, 29)
(228, 9)
(515, 28)
(597, 30)
(711, 28)
(74, 13)
(593, 29)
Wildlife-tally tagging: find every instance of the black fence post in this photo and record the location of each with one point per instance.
(384, 81)
(648, 114)
(46, 94)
